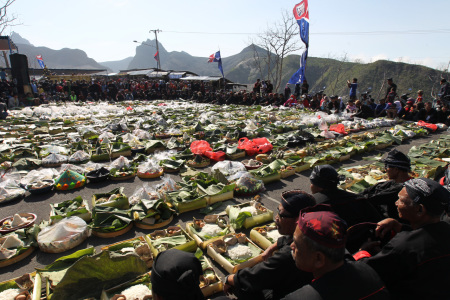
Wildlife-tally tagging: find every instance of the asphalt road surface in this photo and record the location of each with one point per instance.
(40, 205)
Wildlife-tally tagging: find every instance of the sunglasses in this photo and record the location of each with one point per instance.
(282, 215)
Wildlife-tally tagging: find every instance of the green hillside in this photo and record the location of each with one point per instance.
(333, 74)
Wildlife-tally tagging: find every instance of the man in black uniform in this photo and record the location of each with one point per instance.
(351, 207)
(176, 275)
(277, 275)
(383, 195)
(415, 264)
(319, 247)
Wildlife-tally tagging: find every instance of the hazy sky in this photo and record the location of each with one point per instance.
(413, 31)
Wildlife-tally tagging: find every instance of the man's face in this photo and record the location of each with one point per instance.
(315, 189)
(391, 172)
(406, 208)
(285, 221)
(428, 106)
(303, 256)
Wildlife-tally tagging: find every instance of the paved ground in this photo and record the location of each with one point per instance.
(40, 205)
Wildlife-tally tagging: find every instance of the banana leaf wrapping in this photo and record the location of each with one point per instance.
(109, 219)
(27, 164)
(120, 200)
(75, 207)
(55, 271)
(152, 211)
(91, 274)
(28, 237)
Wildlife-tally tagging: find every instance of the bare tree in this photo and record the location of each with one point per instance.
(278, 41)
(6, 20)
(338, 72)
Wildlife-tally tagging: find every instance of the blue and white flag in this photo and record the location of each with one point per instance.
(301, 14)
(215, 57)
(299, 76)
(40, 61)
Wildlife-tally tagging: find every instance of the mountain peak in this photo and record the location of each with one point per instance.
(17, 39)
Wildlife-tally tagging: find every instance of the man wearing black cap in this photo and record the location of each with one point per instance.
(176, 275)
(319, 247)
(277, 276)
(351, 207)
(384, 194)
(415, 264)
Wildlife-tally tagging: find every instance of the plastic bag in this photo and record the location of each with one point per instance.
(71, 167)
(326, 134)
(120, 162)
(143, 192)
(64, 235)
(258, 145)
(142, 134)
(228, 167)
(150, 166)
(163, 155)
(54, 159)
(200, 147)
(217, 156)
(128, 137)
(35, 176)
(322, 124)
(107, 135)
(237, 175)
(90, 166)
(248, 185)
(339, 128)
(79, 156)
(167, 185)
(429, 126)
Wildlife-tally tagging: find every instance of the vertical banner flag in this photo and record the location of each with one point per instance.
(299, 76)
(215, 57)
(40, 61)
(301, 14)
(156, 57)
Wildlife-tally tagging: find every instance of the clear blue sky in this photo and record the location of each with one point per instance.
(360, 29)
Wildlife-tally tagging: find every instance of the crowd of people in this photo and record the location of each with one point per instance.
(391, 105)
(391, 241)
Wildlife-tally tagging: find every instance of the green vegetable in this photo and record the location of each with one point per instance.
(237, 218)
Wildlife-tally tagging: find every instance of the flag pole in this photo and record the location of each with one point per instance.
(158, 62)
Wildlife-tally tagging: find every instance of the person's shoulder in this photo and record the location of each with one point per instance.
(305, 292)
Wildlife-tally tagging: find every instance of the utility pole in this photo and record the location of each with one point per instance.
(158, 62)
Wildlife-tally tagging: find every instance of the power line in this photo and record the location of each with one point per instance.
(386, 32)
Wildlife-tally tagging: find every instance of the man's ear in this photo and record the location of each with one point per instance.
(422, 209)
(319, 260)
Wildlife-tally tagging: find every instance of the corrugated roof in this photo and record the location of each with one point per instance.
(140, 72)
(202, 78)
(157, 74)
